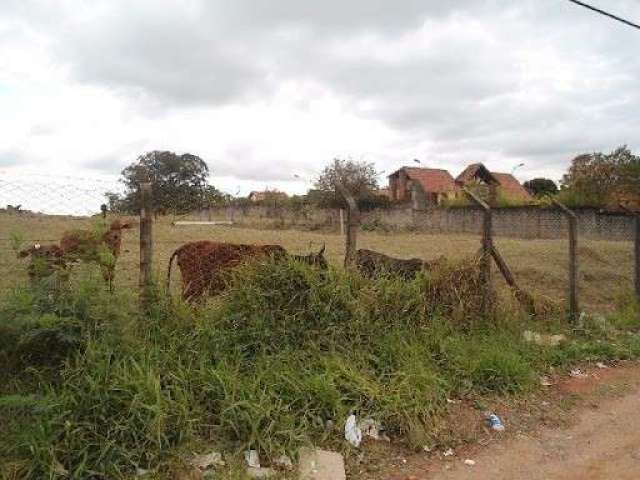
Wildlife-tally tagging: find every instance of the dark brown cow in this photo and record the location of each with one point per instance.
(373, 263)
(45, 260)
(87, 246)
(205, 264)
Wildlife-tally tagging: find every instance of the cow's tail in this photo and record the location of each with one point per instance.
(168, 284)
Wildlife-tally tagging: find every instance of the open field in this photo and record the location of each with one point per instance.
(606, 268)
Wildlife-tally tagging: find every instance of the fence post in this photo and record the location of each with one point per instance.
(636, 240)
(146, 240)
(353, 223)
(342, 221)
(487, 247)
(573, 259)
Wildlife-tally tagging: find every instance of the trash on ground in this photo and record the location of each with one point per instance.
(453, 401)
(469, 462)
(141, 472)
(206, 460)
(449, 452)
(495, 423)
(283, 462)
(577, 373)
(371, 428)
(252, 458)
(427, 448)
(601, 365)
(260, 472)
(543, 339)
(321, 465)
(352, 432)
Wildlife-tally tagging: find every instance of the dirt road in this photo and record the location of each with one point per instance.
(603, 443)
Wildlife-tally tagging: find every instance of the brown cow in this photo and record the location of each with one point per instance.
(205, 264)
(372, 263)
(45, 260)
(87, 246)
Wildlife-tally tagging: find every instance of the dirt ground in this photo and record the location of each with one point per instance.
(602, 440)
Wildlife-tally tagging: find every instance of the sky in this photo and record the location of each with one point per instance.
(264, 90)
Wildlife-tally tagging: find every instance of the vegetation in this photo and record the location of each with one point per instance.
(360, 178)
(599, 179)
(265, 366)
(179, 182)
(540, 187)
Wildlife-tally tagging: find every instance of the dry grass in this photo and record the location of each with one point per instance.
(540, 266)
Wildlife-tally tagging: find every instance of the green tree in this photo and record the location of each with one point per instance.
(360, 178)
(599, 179)
(541, 186)
(179, 183)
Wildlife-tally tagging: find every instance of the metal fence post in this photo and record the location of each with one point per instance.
(487, 248)
(146, 239)
(573, 259)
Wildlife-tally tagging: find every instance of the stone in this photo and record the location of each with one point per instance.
(260, 472)
(321, 465)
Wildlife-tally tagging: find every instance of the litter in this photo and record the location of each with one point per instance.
(449, 452)
(370, 428)
(206, 460)
(577, 373)
(469, 462)
(495, 423)
(453, 402)
(252, 458)
(352, 432)
(601, 365)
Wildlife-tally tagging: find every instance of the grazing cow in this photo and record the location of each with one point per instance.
(204, 264)
(373, 263)
(88, 246)
(45, 260)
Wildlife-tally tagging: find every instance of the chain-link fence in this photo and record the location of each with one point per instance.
(47, 211)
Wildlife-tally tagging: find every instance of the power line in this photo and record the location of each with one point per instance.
(606, 14)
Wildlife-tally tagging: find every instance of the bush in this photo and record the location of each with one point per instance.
(266, 365)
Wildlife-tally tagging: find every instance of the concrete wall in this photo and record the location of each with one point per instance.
(518, 222)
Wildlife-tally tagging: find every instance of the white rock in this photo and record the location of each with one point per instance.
(449, 452)
(260, 472)
(206, 460)
(321, 465)
(469, 462)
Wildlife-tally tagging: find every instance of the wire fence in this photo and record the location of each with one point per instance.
(48, 212)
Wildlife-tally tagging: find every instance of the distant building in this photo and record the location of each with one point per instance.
(429, 185)
(267, 195)
(492, 185)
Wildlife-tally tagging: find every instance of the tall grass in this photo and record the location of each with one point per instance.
(286, 352)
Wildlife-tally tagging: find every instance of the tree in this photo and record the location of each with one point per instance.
(599, 179)
(179, 183)
(360, 178)
(541, 186)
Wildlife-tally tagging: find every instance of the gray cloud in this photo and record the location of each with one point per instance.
(535, 80)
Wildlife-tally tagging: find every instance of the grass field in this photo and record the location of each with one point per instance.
(606, 267)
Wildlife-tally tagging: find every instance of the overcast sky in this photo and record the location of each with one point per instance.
(265, 89)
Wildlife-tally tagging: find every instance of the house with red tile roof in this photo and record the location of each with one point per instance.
(433, 185)
(492, 185)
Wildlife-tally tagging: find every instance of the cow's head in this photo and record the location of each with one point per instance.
(315, 259)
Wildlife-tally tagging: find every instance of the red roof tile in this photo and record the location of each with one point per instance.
(433, 180)
(511, 186)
